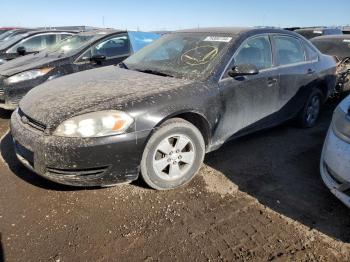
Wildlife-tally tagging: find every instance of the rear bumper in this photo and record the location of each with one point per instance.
(76, 161)
(335, 167)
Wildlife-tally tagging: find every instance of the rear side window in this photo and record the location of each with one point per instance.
(311, 53)
(255, 51)
(289, 50)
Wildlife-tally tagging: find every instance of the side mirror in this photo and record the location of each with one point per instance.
(243, 70)
(21, 50)
(98, 59)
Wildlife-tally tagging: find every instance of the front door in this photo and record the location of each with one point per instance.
(249, 100)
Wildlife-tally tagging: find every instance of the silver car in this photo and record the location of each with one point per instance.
(335, 160)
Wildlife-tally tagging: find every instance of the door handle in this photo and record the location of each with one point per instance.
(310, 71)
(271, 81)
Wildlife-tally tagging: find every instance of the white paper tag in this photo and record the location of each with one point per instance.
(346, 40)
(225, 39)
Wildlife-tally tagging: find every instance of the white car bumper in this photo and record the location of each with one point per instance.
(335, 167)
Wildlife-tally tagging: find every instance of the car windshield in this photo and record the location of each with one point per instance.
(71, 44)
(335, 47)
(182, 55)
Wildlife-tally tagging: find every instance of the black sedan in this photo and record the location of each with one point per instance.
(80, 52)
(161, 110)
(337, 46)
(30, 42)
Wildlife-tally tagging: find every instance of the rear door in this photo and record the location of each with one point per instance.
(115, 48)
(296, 73)
(248, 100)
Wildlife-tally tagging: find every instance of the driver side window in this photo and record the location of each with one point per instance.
(35, 43)
(115, 46)
(255, 51)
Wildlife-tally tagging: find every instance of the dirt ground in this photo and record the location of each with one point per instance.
(258, 198)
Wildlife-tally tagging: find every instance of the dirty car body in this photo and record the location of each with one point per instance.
(183, 75)
(337, 46)
(335, 160)
(86, 50)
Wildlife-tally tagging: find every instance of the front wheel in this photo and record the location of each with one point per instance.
(309, 114)
(173, 155)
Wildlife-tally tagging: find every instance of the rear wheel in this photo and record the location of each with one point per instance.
(309, 114)
(173, 155)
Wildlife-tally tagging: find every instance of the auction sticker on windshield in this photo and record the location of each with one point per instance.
(225, 39)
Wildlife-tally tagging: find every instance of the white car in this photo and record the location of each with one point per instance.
(335, 160)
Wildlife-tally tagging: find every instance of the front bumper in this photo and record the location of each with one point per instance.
(335, 167)
(79, 161)
(10, 95)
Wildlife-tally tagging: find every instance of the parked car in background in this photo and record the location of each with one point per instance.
(30, 42)
(335, 160)
(5, 29)
(7, 35)
(167, 105)
(346, 30)
(312, 32)
(81, 52)
(337, 46)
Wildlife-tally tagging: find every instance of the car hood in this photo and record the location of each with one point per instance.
(92, 90)
(28, 62)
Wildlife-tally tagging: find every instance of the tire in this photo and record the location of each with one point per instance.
(309, 114)
(173, 155)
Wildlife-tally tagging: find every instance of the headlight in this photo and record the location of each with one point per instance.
(28, 75)
(97, 124)
(341, 124)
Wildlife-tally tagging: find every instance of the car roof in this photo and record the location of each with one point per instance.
(34, 32)
(102, 32)
(227, 30)
(237, 30)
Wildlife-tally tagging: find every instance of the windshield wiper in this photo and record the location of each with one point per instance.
(154, 72)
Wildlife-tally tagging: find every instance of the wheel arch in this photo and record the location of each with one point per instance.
(195, 118)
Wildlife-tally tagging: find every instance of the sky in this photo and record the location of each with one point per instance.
(172, 15)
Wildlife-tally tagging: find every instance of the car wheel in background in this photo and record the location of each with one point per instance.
(309, 114)
(173, 155)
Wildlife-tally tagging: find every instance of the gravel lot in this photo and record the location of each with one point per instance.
(258, 198)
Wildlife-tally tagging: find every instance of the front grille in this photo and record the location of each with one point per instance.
(31, 122)
(76, 173)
